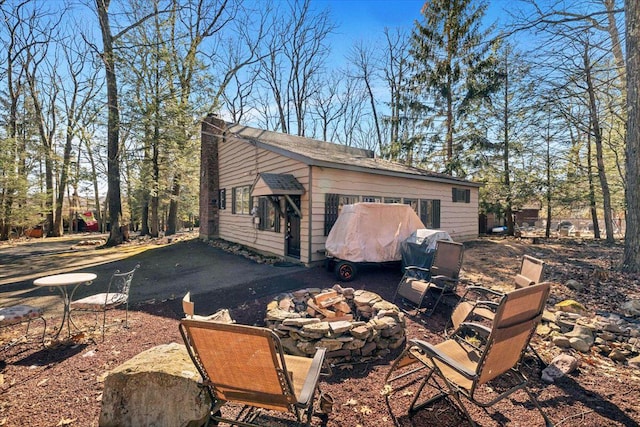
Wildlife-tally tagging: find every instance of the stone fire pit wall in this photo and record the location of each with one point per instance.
(367, 327)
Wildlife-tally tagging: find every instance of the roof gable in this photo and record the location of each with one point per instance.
(276, 184)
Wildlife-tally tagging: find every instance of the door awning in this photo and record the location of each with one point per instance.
(276, 184)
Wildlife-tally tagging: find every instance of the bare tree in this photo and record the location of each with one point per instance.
(597, 135)
(631, 260)
(44, 91)
(296, 53)
(78, 92)
(114, 201)
(363, 59)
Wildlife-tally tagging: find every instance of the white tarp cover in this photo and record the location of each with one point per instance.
(427, 238)
(371, 232)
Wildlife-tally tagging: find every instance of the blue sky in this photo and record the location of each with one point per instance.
(365, 20)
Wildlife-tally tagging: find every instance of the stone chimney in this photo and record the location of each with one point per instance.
(211, 135)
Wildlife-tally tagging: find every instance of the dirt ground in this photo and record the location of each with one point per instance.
(61, 385)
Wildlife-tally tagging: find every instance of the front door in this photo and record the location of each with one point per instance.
(293, 229)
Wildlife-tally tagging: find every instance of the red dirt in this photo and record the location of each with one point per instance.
(62, 384)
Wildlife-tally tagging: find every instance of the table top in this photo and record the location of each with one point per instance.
(65, 279)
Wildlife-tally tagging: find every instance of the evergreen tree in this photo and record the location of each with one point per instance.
(453, 69)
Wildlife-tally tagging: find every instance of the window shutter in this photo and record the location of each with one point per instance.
(233, 200)
(454, 194)
(435, 213)
(222, 198)
(262, 213)
(467, 196)
(331, 202)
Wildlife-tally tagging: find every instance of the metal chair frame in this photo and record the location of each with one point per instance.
(117, 294)
(443, 276)
(464, 367)
(222, 354)
(6, 323)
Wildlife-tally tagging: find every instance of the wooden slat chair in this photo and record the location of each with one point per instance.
(247, 365)
(442, 277)
(17, 314)
(116, 295)
(463, 367)
(188, 307)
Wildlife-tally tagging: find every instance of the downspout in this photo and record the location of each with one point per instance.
(310, 216)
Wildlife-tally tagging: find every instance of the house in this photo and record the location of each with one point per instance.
(280, 194)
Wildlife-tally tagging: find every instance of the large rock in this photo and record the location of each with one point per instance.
(158, 387)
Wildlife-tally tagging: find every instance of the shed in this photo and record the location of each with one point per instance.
(281, 194)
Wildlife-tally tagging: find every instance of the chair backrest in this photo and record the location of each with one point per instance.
(515, 321)
(243, 364)
(188, 306)
(121, 282)
(447, 260)
(531, 272)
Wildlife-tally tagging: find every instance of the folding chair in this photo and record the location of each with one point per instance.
(531, 272)
(188, 307)
(459, 366)
(116, 295)
(442, 277)
(21, 313)
(481, 302)
(247, 365)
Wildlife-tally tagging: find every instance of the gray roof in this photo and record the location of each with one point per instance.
(278, 183)
(326, 154)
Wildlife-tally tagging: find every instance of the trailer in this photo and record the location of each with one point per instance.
(368, 233)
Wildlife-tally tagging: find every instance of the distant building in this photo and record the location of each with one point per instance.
(281, 194)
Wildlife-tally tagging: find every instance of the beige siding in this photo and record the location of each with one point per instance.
(460, 220)
(240, 162)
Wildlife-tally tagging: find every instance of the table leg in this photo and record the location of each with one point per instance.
(66, 309)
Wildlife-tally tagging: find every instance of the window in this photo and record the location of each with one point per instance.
(461, 195)
(269, 213)
(242, 200)
(430, 213)
(392, 200)
(333, 204)
(372, 199)
(413, 203)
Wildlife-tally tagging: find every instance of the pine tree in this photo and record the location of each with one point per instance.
(453, 67)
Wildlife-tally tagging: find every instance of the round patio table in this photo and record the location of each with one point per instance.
(67, 285)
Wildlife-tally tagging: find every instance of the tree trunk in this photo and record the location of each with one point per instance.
(631, 262)
(172, 218)
(597, 133)
(94, 180)
(592, 195)
(113, 127)
(505, 154)
(58, 227)
(547, 232)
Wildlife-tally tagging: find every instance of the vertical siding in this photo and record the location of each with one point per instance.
(460, 220)
(240, 163)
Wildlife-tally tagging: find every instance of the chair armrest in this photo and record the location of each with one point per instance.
(415, 267)
(433, 352)
(481, 291)
(311, 382)
(444, 278)
(475, 327)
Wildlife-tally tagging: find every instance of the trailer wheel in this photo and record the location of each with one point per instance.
(345, 271)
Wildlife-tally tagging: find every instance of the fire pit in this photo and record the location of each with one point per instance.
(351, 325)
